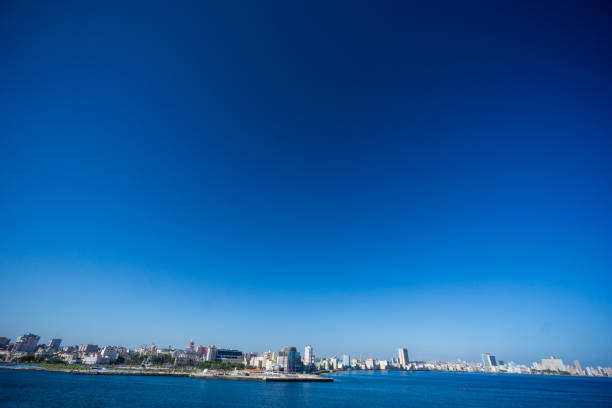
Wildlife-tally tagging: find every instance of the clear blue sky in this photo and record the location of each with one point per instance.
(354, 176)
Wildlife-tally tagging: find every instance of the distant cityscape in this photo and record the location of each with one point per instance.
(26, 349)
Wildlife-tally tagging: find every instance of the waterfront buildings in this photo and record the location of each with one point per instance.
(211, 353)
(579, 370)
(269, 360)
(403, 357)
(308, 358)
(489, 360)
(69, 358)
(333, 363)
(54, 344)
(289, 359)
(229, 356)
(4, 342)
(26, 343)
(552, 364)
(95, 358)
(370, 364)
(224, 355)
(88, 348)
(256, 362)
(110, 352)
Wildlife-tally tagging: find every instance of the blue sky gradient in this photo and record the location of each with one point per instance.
(354, 176)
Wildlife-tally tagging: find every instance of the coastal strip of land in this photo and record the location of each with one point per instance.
(238, 376)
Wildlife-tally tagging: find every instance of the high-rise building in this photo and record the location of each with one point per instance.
(346, 360)
(370, 363)
(553, 364)
(403, 357)
(578, 367)
(26, 343)
(308, 360)
(211, 353)
(269, 360)
(4, 342)
(488, 360)
(333, 363)
(54, 344)
(289, 359)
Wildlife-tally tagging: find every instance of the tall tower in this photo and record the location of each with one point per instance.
(578, 367)
(403, 357)
(308, 355)
(288, 358)
(54, 344)
(488, 360)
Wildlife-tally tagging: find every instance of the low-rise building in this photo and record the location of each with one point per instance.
(69, 358)
(110, 352)
(95, 358)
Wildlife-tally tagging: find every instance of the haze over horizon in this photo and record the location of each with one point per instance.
(358, 177)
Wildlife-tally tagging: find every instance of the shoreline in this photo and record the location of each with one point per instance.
(208, 376)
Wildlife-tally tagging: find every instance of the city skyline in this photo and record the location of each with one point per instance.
(276, 345)
(358, 177)
(287, 361)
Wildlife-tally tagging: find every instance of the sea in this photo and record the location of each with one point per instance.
(26, 388)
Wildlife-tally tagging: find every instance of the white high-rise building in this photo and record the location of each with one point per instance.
(211, 353)
(403, 357)
(370, 364)
(308, 358)
(553, 364)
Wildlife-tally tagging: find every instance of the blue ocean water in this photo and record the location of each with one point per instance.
(356, 389)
